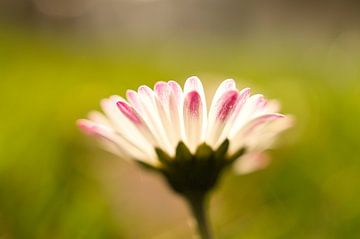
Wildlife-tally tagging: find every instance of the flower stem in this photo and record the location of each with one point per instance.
(196, 202)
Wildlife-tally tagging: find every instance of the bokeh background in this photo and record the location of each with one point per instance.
(59, 58)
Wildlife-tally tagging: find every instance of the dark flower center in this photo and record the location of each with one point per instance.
(189, 173)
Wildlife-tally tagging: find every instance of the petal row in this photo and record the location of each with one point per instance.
(168, 114)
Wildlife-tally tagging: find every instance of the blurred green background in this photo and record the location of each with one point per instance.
(59, 58)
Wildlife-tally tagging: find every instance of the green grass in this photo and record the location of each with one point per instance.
(50, 185)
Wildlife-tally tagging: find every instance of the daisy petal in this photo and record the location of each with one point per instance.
(220, 113)
(167, 102)
(124, 127)
(152, 117)
(254, 106)
(225, 86)
(252, 162)
(99, 118)
(111, 140)
(193, 118)
(133, 99)
(263, 137)
(253, 134)
(176, 110)
(194, 84)
(131, 114)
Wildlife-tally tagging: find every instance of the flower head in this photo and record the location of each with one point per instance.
(171, 129)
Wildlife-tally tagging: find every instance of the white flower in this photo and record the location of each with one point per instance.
(167, 115)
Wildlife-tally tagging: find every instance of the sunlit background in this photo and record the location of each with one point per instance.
(59, 58)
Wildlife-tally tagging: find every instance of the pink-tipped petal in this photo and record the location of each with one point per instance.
(259, 121)
(152, 116)
(99, 118)
(129, 112)
(144, 90)
(193, 113)
(227, 104)
(136, 134)
(162, 91)
(121, 123)
(243, 97)
(113, 142)
(168, 101)
(137, 120)
(229, 123)
(194, 84)
(162, 98)
(176, 89)
(252, 107)
(220, 114)
(225, 86)
(96, 129)
(176, 112)
(134, 100)
(259, 132)
(244, 94)
(228, 84)
(86, 126)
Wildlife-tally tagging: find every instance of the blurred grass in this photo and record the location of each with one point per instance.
(50, 187)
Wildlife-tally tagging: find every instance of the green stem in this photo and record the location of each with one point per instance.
(197, 206)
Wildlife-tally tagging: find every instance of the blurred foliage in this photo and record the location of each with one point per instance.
(49, 183)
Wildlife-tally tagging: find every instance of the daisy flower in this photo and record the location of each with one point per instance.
(171, 130)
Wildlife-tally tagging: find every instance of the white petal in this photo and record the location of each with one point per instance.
(99, 117)
(133, 116)
(229, 126)
(113, 142)
(264, 136)
(168, 104)
(226, 85)
(223, 113)
(252, 108)
(193, 119)
(259, 132)
(176, 110)
(194, 84)
(251, 162)
(124, 127)
(152, 117)
(220, 112)
(133, 99)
